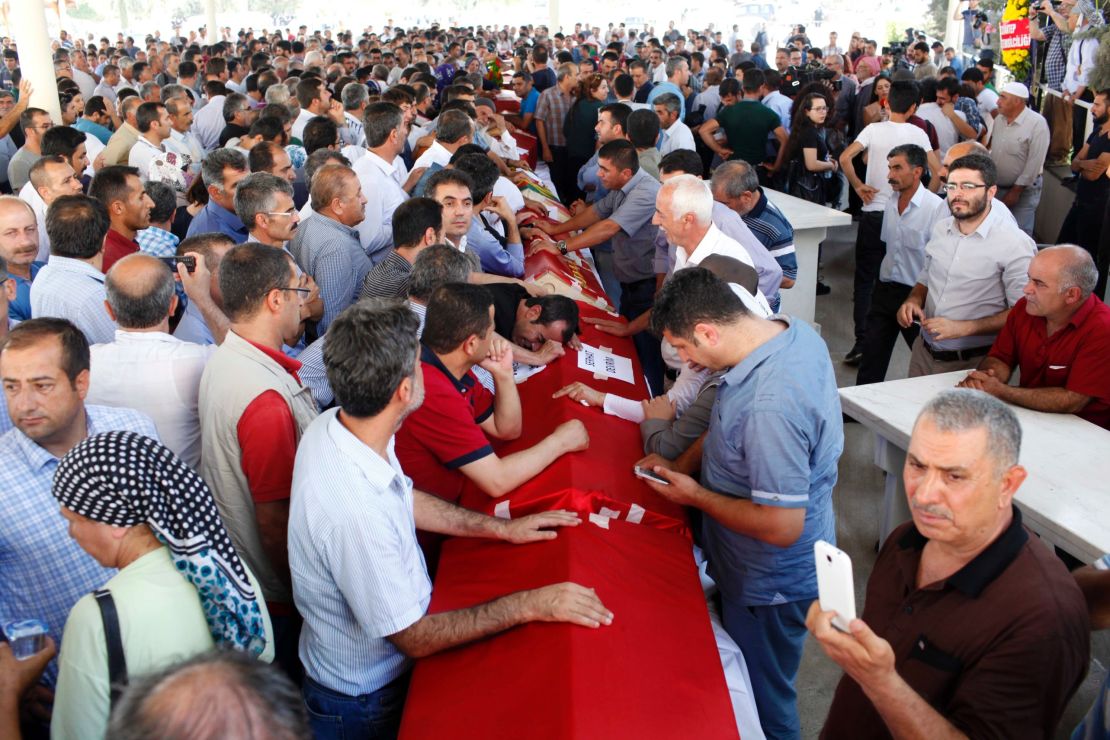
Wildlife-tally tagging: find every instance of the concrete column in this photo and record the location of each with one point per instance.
(553, 16)
(28, 20)
(213, 29)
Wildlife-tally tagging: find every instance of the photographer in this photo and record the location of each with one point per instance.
(973, 19)
(1051, 23)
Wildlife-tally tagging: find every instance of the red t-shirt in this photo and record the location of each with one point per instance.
(116, 247)
(1076, 357)
(443, 434)
(268, 438)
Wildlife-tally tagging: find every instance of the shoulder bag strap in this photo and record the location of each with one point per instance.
(117, 663)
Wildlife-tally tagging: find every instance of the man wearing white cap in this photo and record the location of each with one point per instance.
(1019, 143)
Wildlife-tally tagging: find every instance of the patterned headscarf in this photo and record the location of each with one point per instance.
(125, 479)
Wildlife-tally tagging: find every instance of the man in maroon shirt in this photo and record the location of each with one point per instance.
(1059, 336)
(123, 193)
(972, 627)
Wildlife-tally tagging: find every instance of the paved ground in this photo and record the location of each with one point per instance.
(858, 498)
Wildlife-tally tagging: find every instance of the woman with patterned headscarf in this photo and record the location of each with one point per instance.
(181, 588)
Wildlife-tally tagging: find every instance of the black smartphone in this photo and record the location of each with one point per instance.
(172, 263)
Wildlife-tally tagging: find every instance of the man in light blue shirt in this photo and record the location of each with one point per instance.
(678, 75)
(45, 571)
(359, 577)
(768, 470)
(907, 224)
(222, 170)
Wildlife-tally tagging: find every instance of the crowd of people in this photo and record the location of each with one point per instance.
(263, 299)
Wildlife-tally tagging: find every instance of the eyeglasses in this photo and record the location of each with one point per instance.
(967, 187)
(305, 291)
(280, 213)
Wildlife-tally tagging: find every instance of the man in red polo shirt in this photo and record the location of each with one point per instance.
(1059, 336)
(123, 193)
(447, 440)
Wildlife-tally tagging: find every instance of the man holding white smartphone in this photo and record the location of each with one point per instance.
(971, 628)
(768, 469)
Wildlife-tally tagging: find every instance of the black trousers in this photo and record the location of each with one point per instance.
(637, 297)
(1083, 226)
(870, 251)
(883, 330)
(563, 174)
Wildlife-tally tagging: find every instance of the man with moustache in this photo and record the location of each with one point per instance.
(907, 222)
(975, 266)
(971, 627)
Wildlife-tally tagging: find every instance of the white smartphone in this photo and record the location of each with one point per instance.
(651, 475)
(835, 588)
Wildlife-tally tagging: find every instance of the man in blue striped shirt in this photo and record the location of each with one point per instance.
(44, 366)
(359, 578)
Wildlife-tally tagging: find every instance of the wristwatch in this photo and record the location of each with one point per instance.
(562, 245)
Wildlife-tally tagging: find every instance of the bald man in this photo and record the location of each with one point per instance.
(327, 246)
(1058, 334)
(19, 248)
(145, 367)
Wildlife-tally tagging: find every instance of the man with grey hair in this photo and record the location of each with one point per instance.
(214, 694)
(145, 367)
(678, 77)
(1058, 334)
(355, 97)
(222, 171)
(736, 184)
(454, 129)
(675, 134)
(238, 117)
(264, 203)
(971, 627)
(126, 135)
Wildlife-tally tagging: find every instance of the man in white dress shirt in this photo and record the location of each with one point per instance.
(145, 368)
(382, 175)
(359, 577)
(454, 130)
(675, 133)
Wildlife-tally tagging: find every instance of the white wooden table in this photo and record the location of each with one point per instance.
(811, 223)
(1065, 499)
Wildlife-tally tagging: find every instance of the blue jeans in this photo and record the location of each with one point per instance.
(771, 638)
(374, 716)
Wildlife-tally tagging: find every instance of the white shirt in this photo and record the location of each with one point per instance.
(159, 375)
(352, 133)
(436, 154)
(678, 136)
(1081, 60)
(358, 572)
(187, 145)
(208, 122)
(987, 100)
(31, 197)
(715, 242)
(379, 181)
(659, 74)
(504, 188)
(877, 140)
(947, 135)
(298, 125)
(84, 81)
(158, 164)
(907, 233)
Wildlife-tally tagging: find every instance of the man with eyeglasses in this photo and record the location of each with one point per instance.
(253, 409)
(975, 268)
(34, 122)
